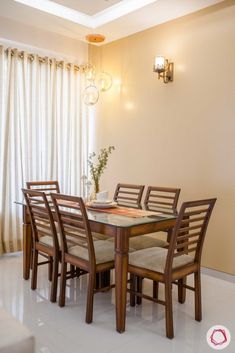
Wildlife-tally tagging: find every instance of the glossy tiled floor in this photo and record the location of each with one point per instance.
(64, 330)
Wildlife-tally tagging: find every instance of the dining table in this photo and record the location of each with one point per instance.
(121, 224)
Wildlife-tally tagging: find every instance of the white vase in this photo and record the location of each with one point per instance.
(102, 195)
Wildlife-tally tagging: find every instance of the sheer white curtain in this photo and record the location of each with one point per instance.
(43, 133)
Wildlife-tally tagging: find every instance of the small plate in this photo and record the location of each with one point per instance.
(102, 205)
(103, 202)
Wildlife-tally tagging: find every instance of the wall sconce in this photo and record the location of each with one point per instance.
(164, 69)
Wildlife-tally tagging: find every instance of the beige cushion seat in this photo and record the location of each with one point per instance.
(147, 241)
(154, 259)
(104, 251)
(48, 240)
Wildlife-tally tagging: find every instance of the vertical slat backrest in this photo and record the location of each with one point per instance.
(162, 199)
(190, 229)
(41, 216)
(73, 224)
(129, 195)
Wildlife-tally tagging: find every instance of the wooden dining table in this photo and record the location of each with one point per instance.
(119, 226)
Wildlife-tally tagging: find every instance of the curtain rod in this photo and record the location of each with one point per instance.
(43, 59)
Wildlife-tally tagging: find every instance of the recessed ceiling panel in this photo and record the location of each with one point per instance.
(89, 7)
(118, 20)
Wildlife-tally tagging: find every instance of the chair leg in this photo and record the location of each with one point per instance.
(50, 268)
(155, 289)
(54, 281)
(31, 259)
(106, 275)
(169, 311)
(182, 290)
(77, 272)
(34, 270)
(98, 281)
(139, 288)
(72, 270)
(103, 279)
(198, 300)
(169, 235)
(62, 284)
(90, 297)
(132, 288)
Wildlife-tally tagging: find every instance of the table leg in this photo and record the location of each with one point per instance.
(121, 268)
(27, 244)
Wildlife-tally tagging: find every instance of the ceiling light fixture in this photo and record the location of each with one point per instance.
(95, 38)
(95, 83)
(164, 68)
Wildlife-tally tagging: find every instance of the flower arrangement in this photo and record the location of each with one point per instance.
(96, 170)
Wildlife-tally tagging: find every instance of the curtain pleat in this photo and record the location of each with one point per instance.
(43, 130)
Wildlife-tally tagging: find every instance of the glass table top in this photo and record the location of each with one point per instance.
(119, 220)
(125, 221)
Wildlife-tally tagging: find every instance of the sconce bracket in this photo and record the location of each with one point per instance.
(166, 74)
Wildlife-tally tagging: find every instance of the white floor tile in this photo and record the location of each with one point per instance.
(63, 330)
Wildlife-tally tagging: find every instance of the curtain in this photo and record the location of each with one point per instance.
(43, 133)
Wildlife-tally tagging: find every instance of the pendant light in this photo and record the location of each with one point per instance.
(95, 83)
(91, 94)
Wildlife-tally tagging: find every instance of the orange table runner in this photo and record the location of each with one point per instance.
(121, 211)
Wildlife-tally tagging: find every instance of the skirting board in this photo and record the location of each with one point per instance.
(222, 275)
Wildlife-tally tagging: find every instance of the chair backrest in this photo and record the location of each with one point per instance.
(73, 224)
(41, 216)
(162, 199)
(129, 195)
(189, 232)
(46, 186)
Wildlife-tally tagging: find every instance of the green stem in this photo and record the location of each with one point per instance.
(97, 186)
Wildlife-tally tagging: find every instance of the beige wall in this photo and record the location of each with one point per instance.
(183, 133)
(28, 36)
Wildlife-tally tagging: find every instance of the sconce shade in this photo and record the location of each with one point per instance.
(160, 64)
(164, 68)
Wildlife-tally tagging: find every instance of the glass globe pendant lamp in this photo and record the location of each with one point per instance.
(104, 81)
(90, 94)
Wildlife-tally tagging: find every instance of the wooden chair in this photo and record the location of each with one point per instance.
(170, 266)
(126, 195)
(129, 195)
(46, 186)
(91, 257)
(45, 241)
(162, 200)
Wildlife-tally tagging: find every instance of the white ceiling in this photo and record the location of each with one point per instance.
(89, 7)
(112, 18)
